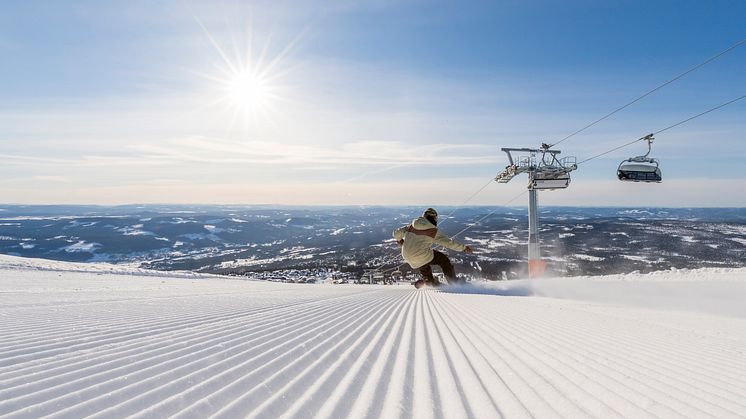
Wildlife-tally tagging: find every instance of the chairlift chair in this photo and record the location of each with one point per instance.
(640, 168)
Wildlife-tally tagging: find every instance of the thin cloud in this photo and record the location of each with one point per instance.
(366, 153)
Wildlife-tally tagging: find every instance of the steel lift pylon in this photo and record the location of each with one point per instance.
(545, 172)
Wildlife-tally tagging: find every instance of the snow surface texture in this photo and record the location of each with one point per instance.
(87, 340)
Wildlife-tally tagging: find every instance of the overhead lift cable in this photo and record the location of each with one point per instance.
(448, 216)
(696, 67)
(664, 129)
(492, 212)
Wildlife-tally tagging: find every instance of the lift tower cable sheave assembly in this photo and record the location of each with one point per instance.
(545, 172)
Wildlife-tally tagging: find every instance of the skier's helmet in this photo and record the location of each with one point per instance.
(431, 215)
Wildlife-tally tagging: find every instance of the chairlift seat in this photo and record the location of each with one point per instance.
(640, 168)
(639, 172)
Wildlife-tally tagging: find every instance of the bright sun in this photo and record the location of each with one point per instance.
(246, 80)
(248, 93)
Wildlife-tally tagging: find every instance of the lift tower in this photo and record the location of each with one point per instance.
(545, 172)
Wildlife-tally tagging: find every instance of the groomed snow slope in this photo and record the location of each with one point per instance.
(101, 344)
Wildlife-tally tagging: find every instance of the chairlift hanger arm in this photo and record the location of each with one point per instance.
(649, 138)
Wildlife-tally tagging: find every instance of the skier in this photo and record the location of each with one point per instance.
(416, 240)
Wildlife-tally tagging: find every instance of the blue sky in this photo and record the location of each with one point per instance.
(367, 102)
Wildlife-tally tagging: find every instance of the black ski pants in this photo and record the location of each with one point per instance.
(445, 264)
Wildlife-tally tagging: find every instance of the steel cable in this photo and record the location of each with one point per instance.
(696, 67)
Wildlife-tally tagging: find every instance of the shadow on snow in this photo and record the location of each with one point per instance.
(510, 289)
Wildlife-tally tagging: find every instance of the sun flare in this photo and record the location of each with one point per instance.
(248, 93)
(246, 81)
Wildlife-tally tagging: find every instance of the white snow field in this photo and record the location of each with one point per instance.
(95, 340)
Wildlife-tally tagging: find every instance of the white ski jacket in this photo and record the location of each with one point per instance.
(419, 237)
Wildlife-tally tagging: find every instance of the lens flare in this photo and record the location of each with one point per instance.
(245, 80)
(248, 92)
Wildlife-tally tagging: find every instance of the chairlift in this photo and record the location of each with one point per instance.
(640, 168)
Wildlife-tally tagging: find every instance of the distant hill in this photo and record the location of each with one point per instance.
(244, 239)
